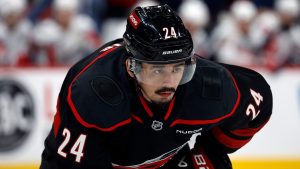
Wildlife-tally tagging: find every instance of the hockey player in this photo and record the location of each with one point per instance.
(136, 102)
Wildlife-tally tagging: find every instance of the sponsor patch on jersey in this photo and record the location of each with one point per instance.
(189, 131)
(134, 20)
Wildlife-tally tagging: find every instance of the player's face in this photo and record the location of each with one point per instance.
(63, 17)
(159, 82)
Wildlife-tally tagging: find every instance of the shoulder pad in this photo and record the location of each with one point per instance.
(211, 83)
(107, 90)
(98, 95)
(211, 96)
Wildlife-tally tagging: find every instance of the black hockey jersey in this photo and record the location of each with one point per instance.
(102, 121)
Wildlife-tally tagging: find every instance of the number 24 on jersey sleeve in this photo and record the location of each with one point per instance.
(77, 148)
(253, 110)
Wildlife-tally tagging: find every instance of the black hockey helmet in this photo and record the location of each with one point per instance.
(156, 35)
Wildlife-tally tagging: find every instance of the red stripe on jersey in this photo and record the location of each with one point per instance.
(153, 165)
(170, 109)
(73, 108)
(150, 113)
(156, 164)
(228, 141)
(57, 119)
(248, 132)
(197, 122)
(146, 107)
(137, 118)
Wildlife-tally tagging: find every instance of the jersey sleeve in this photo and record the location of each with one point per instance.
(252, 113)
(70, 144)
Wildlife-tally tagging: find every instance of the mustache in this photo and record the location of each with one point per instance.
(165, 89)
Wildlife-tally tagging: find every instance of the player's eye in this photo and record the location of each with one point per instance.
(177, 69)
(157, 71)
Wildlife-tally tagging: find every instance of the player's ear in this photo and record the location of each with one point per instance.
(129, 71)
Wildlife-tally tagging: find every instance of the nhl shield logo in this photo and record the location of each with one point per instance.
(157, 125)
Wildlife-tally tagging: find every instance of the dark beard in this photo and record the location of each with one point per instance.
(155, 105)
(158, 106)
(166, 103)
(165, 89)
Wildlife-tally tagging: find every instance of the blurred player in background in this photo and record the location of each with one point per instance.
(65, 38)
(230, 41)
(15, 30)
(195, 16)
